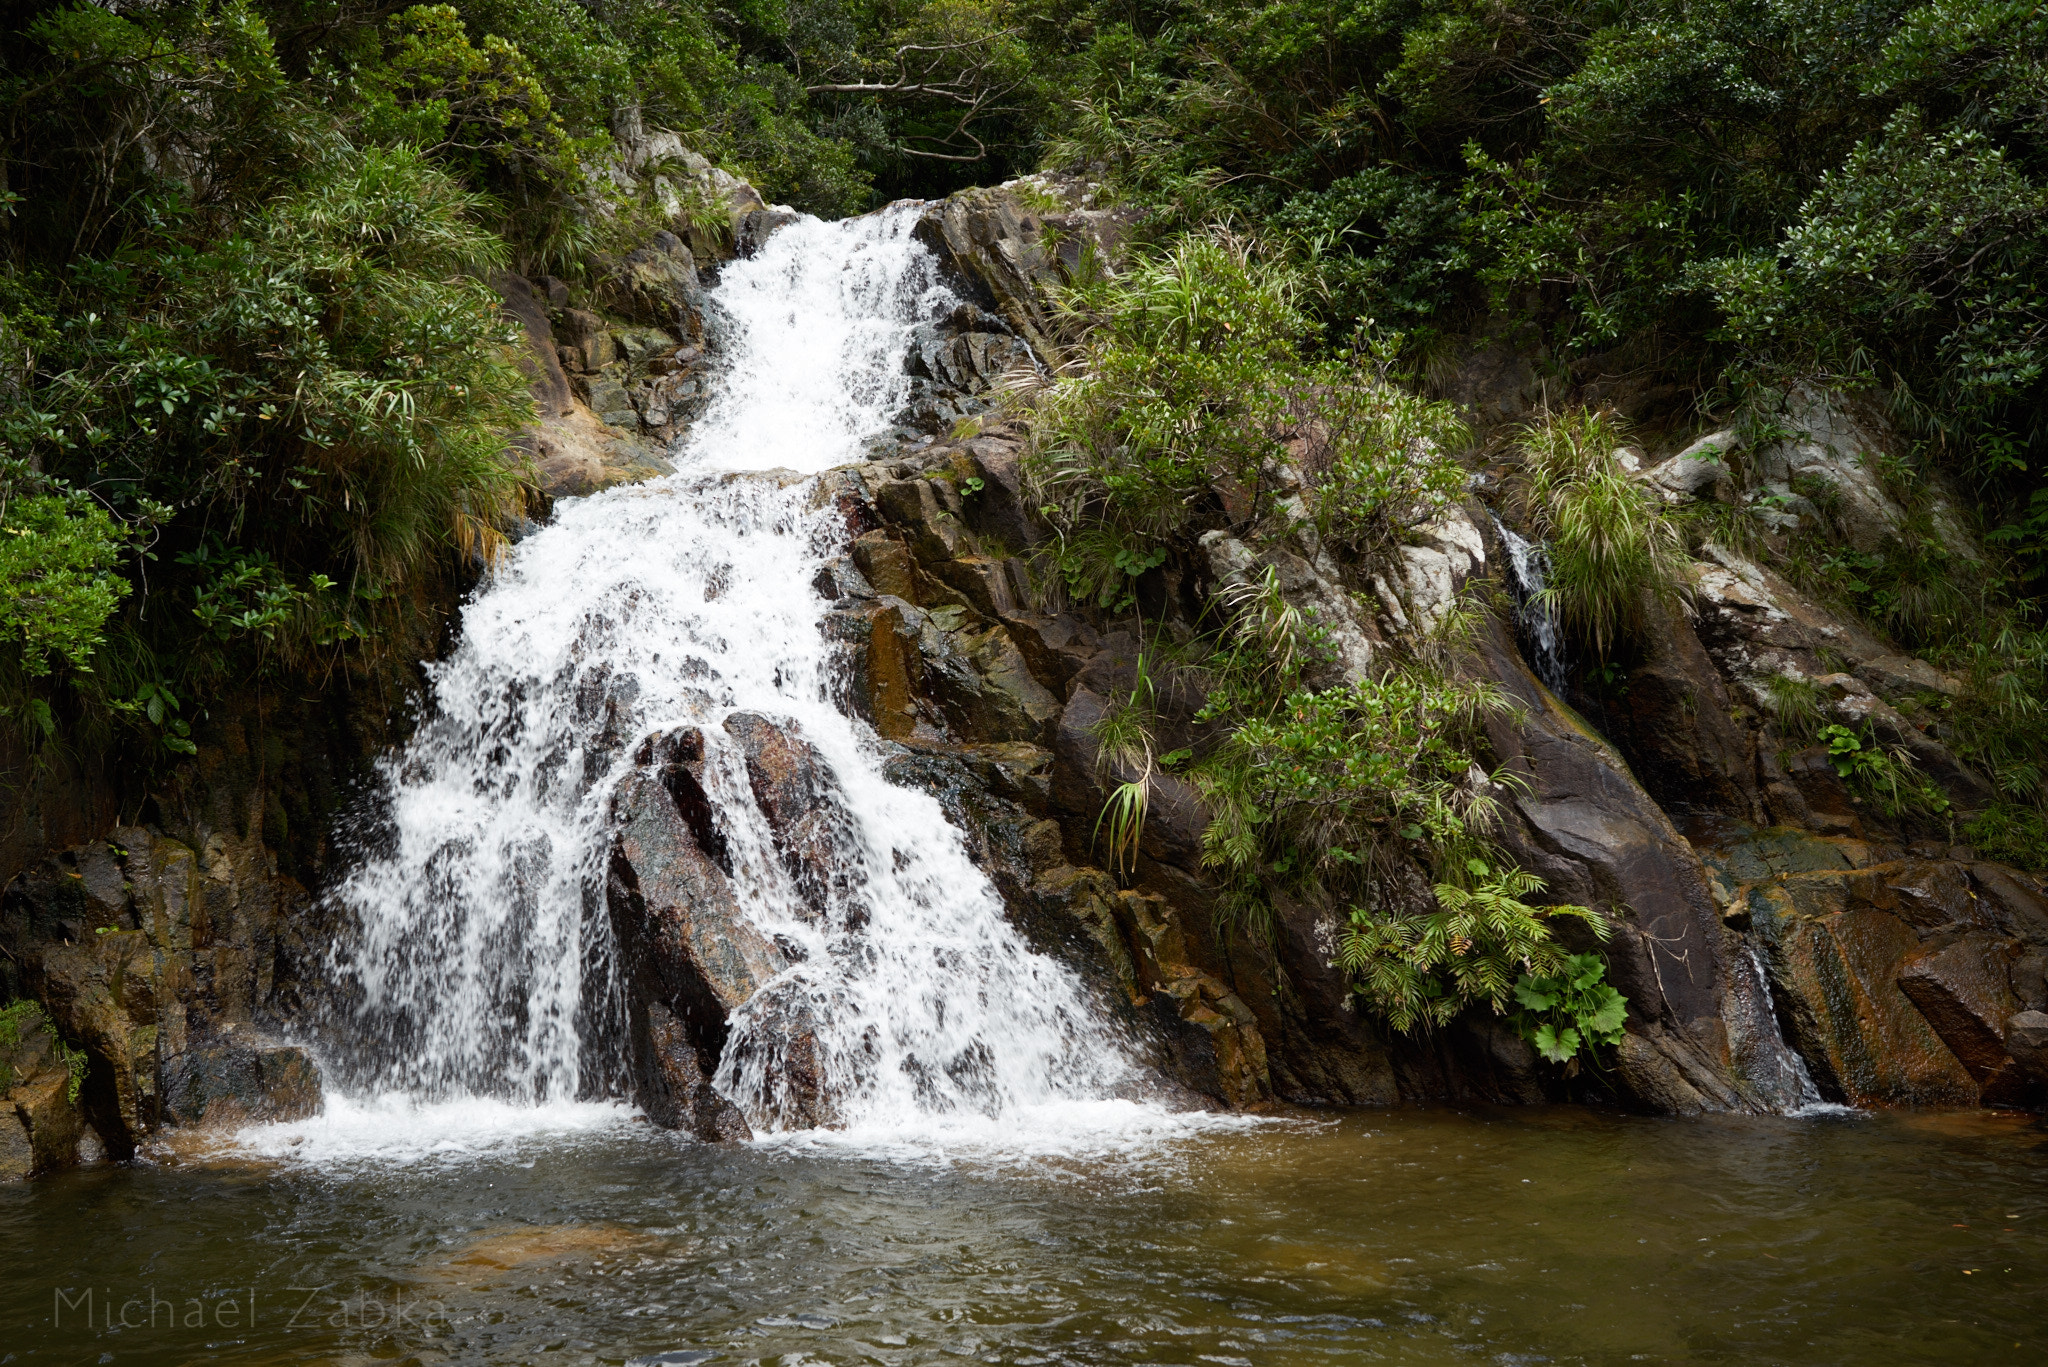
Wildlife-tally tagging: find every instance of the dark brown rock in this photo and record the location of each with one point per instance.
(538, 359)
(676, 1089)
(1964, 991)
(1836, 952)
(238, 1079)
(1596, 839)
(793, 789)
(688, 957)
(40, 1122)
(2026, 1037)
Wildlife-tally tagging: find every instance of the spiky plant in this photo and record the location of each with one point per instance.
(1614, 549)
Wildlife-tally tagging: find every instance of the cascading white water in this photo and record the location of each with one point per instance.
(1528, 578)
(480, 951)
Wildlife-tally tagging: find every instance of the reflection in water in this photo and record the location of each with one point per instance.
(1401, 1237)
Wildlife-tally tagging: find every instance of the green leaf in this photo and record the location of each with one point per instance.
(1605, 1023)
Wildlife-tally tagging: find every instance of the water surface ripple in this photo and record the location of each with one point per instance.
(1557, 1236)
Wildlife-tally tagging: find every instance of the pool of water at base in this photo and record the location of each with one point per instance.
(1407, 1236)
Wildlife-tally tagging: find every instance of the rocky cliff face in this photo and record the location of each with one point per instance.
(164, 926)
(1762, 902)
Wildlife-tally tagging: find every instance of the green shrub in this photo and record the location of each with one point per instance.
(2010, 834)
(1883, 775)
(59, 580)
(1191, 387)
(1425, 966)
(1614, 550)
(1569, 1009)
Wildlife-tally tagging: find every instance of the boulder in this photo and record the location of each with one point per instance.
(657, 289)
(1837, 945)
(1700, 471)
(538, 358)
(40, 1121)
(794, 790)
(1234, 565)
(1964, 990)
(675, 1084)
(1010, 255)
(1596, 838)
(684, 944)
(780, 1075)
(2026, 1037)
(1829, 465)
(113, 996)
(1432, 573)
(240, 1078)
(756, 226)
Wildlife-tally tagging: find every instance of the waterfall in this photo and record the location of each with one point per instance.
(477, 960)
(1773, 1068)
(1528, 579)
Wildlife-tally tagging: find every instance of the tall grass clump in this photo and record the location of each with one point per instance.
(1192, 397)
(1615, 553)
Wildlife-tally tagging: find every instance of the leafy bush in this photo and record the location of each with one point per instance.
(58, 581)
(1614, 551)
(1569, 1009)
(2011, 834)
(1190, 387)
(1383, 244)
(1425, 966)
(1882, 774)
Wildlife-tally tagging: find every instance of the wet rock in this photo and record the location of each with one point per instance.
(794, 790)
(968, 362)
(239, 1078)
(1597, 839)
(40, 1121)
(756, 226)
(1836, 949)
(1678, 724)
(110, 996)
(932, 530)
(2026, 1037)
(885, 682)
(1964, 991)
(1241, 1079)
(887, 564)
(676, 1089)
(1322, 1048)
(992, 696)
(775, 1056)
(684, 944)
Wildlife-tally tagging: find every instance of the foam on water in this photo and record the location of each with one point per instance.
(397, 1129)
(1075, 1136)
(477, 966)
